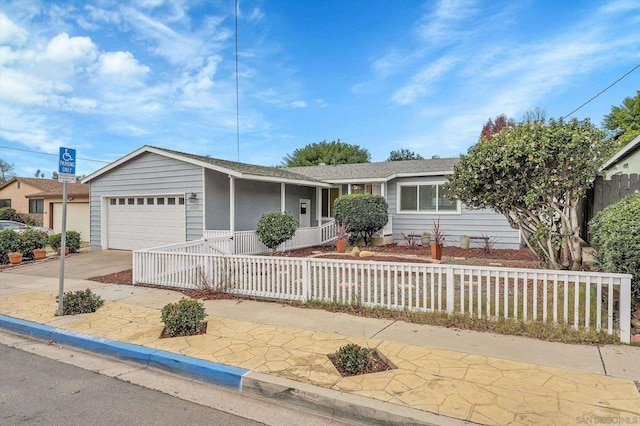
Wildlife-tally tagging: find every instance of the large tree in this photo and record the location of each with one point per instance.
(6, 172)
(404, 154)
(493, 127)
(535, 174)
(623, 122)
(334, 152)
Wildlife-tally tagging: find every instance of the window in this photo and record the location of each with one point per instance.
(426, 198)
(181, 201)
(150, 201)
(36, 206)
(130, 201)
(121, 201)
(171, 201)
(112, 202)
(5, 203)
(140, 201)
(160, 201)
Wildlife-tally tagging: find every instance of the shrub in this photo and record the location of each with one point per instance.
(275, 228)
(7, 213)
(80, 302)
(9, 242)
(32, 239)
(183, 318)
(365, 214)
(616, 237)
(73, 241)
(353, 359)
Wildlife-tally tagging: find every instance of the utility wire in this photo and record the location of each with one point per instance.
(603, 90)
(237, 86)
(53, 155)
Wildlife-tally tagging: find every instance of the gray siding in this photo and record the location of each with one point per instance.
(293, 196)
(150, 174)
(475, 223)
(217, 200)
(254, 198)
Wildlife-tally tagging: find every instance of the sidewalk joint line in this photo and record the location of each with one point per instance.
(383, 329)
(604, 367)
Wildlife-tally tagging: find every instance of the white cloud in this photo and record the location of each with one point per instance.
(10, 33)
(446, 22)
(299, 104)
(121, 67)
(65, 49)
(422, 82)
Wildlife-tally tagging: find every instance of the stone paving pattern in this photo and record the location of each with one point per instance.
(470, 387)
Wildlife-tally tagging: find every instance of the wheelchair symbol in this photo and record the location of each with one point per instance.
(66, 156)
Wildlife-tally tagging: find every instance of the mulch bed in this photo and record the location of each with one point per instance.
(522, 258)
(200, 330)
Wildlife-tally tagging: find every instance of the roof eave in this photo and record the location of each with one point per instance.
(622, 153)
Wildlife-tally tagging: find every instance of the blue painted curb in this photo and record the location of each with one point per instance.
(211, 372)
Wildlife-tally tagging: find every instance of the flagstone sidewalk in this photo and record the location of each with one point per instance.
(460, 385)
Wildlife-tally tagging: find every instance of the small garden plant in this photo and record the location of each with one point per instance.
(80, 302)
(275, 228)
(10, 242)
(73, 241)
(353, 360)
(183, 318)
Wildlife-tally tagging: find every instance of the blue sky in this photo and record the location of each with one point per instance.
(107, 77)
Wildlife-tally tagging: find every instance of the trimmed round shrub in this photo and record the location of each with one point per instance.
(10, 242)
(615, 234)
(80, 302)
(364, 214)
(73, 241)
(275, 228)
(183, 318)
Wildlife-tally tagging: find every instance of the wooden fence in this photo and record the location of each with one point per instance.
(606, 192)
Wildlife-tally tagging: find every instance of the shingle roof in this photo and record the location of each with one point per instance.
(628, 149)
(50, 187)
(384, 170)
(250, 169)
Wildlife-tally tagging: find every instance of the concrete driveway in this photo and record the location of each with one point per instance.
(83, 265)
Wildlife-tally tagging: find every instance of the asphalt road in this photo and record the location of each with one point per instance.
(37, 390)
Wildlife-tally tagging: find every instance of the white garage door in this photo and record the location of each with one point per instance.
(142, 222)
(77, 218)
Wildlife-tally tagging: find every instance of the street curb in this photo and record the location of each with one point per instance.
(206, 371)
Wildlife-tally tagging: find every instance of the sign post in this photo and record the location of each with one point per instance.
(66, 173)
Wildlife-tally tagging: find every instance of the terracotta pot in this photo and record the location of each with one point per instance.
(15, 258)
(341, 246)
(66, 251)
(39, 254)
(436, 251)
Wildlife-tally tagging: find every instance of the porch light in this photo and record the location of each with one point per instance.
(192, 197)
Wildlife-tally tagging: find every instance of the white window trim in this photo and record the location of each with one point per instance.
(438, 183)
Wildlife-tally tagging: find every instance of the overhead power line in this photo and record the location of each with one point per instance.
(52, 155)
(603, 90)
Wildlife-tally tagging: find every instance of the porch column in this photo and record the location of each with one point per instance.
(349, 189)
(283, 197)
(383, 190)
(319, 205)
(232, 205)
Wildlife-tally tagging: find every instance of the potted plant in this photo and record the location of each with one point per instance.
(426, 237)
(438, 240)
(14, 257)
(341, 233)
(39, 253)
(464, 241)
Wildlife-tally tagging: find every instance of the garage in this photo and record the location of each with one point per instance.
(77, 218)
(138, 222)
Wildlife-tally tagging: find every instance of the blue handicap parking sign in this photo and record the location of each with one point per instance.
(67, 161)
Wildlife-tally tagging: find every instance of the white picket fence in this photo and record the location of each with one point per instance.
(579, 299)
(247, 242)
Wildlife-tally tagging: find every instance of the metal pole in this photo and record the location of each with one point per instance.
(63, 246)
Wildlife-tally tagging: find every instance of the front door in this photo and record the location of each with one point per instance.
(304, 213)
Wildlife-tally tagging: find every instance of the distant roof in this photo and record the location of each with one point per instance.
(626, 150)
(386, 170)
(50, 187)
(233, 168)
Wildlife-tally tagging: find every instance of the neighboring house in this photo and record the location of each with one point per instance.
(416, 197)
(626, 161)
(41, 200)
(156, 196)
